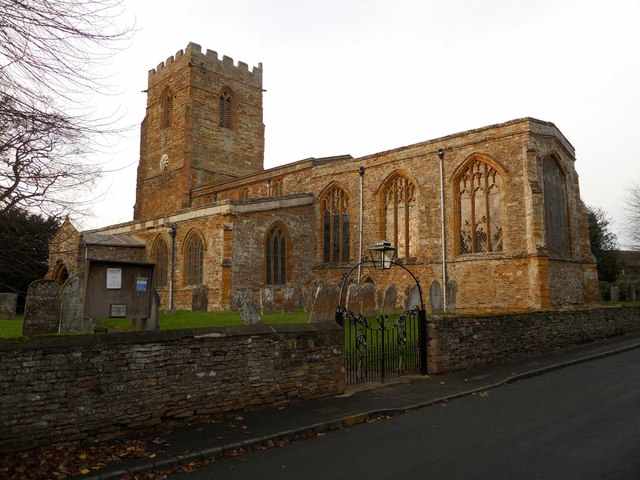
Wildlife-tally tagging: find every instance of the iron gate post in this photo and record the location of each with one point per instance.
(422, 340)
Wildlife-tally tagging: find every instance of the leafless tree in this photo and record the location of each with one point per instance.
(50, 54)
(632, 207)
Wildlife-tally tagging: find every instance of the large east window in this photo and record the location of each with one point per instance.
(555, 207)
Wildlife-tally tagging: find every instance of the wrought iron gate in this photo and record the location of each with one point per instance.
(375, 350)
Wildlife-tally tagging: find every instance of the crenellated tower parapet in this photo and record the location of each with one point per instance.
(209, 60)
(204, 124)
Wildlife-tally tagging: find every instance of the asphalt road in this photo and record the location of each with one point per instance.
(581, 422)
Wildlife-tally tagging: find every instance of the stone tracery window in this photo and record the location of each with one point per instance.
(480, 208)
(335, 225)
(194, 258)
(555, 207)
(225, 109)
(399, 214)
(160, 254)
(276, 256)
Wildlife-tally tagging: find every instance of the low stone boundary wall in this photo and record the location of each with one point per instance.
(82, 388)
(460, 342)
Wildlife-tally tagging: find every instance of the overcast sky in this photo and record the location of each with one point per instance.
(400, 72)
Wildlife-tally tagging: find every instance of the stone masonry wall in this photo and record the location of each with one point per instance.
(94, 388)
(456, 343)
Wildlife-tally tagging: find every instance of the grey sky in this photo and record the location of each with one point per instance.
(358, 77)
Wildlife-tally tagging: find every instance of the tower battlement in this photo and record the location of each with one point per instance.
(193, 56)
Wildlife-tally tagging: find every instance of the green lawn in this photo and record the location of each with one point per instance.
(177, 320)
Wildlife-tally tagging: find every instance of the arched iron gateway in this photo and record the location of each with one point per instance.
(376, 349)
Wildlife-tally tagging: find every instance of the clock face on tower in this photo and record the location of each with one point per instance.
(164, 162)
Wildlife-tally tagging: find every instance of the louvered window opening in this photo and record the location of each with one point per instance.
(195, 251)
(224, 110)
(335, 208)
(480, 209)
(276, 257)
(162, 264)
(555, 206)
(400, 200)
(167, 107)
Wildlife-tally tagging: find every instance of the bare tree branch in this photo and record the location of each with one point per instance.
(49, 54)
(632, 210)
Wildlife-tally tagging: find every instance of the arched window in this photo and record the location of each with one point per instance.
(160, 253)
(480, 208)
(276, 256)
(225, 109)
(555, 207)
(167, 108)
(194, 254)
(399, 216)
(60, 273)
(335, 225)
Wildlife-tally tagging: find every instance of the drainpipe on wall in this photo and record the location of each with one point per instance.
(361, 172)
(444, 231)
(172, 233)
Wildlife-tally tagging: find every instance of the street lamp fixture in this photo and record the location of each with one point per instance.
(383, 254)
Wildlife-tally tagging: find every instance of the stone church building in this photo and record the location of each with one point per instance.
(208, 213)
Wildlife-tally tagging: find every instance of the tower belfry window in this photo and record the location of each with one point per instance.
(225, 109)
(167, 108)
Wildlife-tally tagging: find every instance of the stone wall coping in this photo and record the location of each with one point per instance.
(128, 338)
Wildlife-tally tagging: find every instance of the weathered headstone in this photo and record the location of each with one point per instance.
(309, 295)
(324, 306)
(389, 300)
(42, 308)
(72, 305)
(452, 291)
(243, 303)
(8, 303)
(379, 299)
(435, 297)
(268, 300)
(152, 321)
(353, 302)
(200, 299)
(412, 297)
(369, 300)
(290, 298)
(615, 293)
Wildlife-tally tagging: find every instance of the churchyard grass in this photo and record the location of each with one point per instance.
(11, 328)
(179, 319)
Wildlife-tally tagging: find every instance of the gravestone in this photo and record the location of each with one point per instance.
(72, 305)
(389, 299)
(379, 300)
(435, 297)
(615, 293)
(309, 295)
(452, 291)
(324, 306)
(412, 297)
(369, 300)
(355, 296)
(290, 298)
(8, 303)
(267, 300)
(42, 308)
(200, 299)
(152, 321)
(243, 303)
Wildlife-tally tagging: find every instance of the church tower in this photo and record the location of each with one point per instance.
(203, 125)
